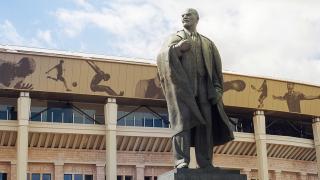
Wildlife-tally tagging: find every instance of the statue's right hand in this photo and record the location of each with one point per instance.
(183, 45)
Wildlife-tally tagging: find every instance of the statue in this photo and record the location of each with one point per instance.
(190, 72)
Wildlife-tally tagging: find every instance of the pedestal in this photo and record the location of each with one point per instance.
(202, 174)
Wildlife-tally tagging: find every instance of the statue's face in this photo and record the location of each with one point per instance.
(189, 19)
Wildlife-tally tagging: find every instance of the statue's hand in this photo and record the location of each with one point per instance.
(183, 46)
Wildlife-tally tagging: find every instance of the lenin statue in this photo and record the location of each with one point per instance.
(190, 71)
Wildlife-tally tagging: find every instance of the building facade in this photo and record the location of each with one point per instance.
(69, 116)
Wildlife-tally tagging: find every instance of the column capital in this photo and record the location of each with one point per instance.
(258, 112)
(111, 100)
(140, 166)
(316, 119)
(100, 165)
(58, 163)
(24, 94)
(302, 173)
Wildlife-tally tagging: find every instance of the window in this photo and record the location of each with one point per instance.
(3, 176)
(283, 126)
(119, 177)
(67, 177)
(88, 177)
(35, 176)
(78, 177)
(8, 112)
(38, 176)
(147, 178)
(143, 116)
(66, 112)
(46, 176)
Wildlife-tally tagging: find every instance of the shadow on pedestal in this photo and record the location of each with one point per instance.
(202, 174)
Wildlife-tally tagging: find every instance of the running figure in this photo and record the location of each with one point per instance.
(60, 77)
(264, 92)
(98, 77)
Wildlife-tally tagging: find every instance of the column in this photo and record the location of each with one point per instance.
(278, 174)
(24, 103)
(100, 171)
(110, 114)
(316, 137)
(261, 145)
(140, 172)
(302, 176)
(58, 170)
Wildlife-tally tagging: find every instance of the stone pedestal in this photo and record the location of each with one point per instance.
(202, 174)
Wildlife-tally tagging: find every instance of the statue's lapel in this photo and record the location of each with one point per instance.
(206, 52)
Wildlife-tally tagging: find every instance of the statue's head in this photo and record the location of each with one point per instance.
(190, 18)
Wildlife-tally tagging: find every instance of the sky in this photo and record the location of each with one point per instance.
(273, 38)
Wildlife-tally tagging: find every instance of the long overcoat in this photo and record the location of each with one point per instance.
(175, 81)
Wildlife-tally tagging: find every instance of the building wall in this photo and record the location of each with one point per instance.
(134, 80)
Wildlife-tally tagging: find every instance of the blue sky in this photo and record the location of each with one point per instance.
(279, 39)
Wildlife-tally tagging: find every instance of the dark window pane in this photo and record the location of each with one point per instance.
(128, 178)
(57, 115)
(78, 118)
(35, 116)
(78, 177)
(119, 177)
(147, 178)
(157, 122)
(35, 177)
(3, 176)
(129, 119)
(149, 122)
(139, 119)
(67, 115)
(121, 122)
(46, 176)
(88, 177)
(3, 115)
(12, 113)
(67, 177)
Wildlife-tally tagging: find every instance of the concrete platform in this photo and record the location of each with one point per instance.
(202, 174)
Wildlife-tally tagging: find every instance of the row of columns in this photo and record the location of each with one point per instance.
(259, 124)
(110, 113)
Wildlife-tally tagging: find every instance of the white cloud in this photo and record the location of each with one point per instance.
(9, 34)
(268, 38)
(45, 36)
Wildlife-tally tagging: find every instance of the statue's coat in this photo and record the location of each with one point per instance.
(175, 77)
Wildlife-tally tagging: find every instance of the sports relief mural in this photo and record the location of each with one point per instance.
(131, 80)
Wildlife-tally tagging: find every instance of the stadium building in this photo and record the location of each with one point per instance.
(73, 116)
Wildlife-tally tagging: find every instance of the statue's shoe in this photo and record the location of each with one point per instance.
(182, 165)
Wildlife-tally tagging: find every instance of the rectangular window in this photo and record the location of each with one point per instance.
(3, 176)
(119, 177)
(147, 178)
(46, 176)
(67, 177)
(88, 177)
(35, 176)
(128, 178)
(78, 177)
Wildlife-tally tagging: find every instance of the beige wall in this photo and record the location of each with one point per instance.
(140, 81)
